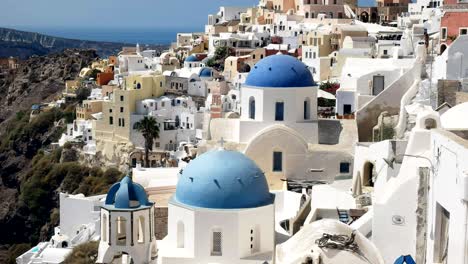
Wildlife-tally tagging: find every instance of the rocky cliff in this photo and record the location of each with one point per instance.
(30, 173)
(40, 79)
(24, 44)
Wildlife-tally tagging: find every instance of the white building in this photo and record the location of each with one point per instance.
(419, 192)
(278, 127)
(178, 118)
(453, 63)
(248, 40)
(225, 14)
(222, 212)
(79, 223)
(78, 131)
(363, 79)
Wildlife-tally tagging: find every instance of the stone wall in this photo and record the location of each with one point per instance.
(160, 220)
(461, 97)
(446, 92)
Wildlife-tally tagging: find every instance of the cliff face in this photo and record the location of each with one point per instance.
(40, 79)
(32, 173)
(25, 44)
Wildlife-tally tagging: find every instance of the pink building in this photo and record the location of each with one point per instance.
(454, 22)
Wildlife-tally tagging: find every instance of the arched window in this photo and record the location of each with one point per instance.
(430, 123)
(141, 229)
(279, 111)
(330, 15)
(217, 242)
(104, 225)
(180, 235)
(307, 15)
(138, 86)
(307, 108)
(252, 107)
(121, 226)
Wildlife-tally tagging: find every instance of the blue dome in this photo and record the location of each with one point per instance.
(127, 195)
(205, 72)
(280, 71)
(221, 179)
(191, 58)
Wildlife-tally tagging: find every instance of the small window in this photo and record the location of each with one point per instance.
(216, 249)
(110, 110)
(123, 122)
(444, 33)
(279, 111)
(277, 161)
(463, 31)
(385, 52)
(344, 167)
(121, 98)
(121, 109)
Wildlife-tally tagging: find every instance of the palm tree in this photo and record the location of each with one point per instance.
(149, 128)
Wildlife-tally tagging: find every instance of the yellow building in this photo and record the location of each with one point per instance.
(248, 18)
(87, 108)
(234, 65)
(320, 39)
(115, 124)
(255, 56)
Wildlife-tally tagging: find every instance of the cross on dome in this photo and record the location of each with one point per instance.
(221, 143)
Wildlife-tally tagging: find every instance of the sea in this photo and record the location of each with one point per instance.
(151, 36)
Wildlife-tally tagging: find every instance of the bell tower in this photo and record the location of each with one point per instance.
(127, 225)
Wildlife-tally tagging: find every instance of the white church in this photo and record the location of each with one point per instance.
(222, 212)
(278, 127)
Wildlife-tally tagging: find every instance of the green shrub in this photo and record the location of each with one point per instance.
(83, 254)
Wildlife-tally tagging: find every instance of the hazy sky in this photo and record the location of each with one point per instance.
(111, 13)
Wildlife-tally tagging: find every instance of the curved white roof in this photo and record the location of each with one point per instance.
(301, 245)
(455, 117)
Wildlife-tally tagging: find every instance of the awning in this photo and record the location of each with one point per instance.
(326, 95)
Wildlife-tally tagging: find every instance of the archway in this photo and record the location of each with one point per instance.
(141, 229)
(443, 47)
(368, 174)
(121, 226)
(364, 17)
(373, 18)
(273, 148)
(430, 123)
(104, 225)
